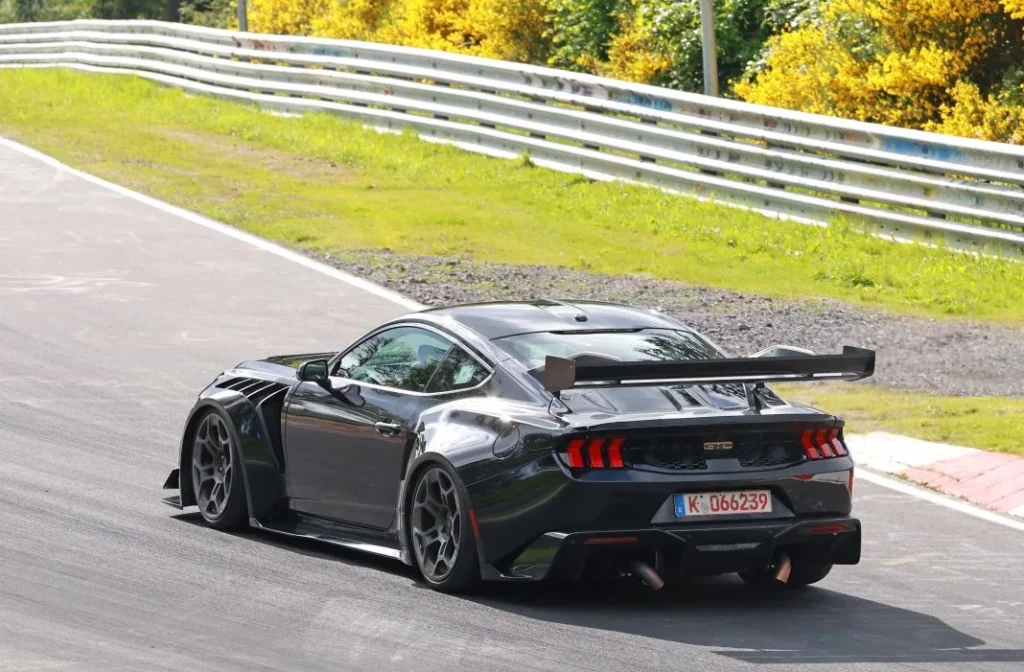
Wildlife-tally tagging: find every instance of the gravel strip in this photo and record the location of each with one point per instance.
(919, 354)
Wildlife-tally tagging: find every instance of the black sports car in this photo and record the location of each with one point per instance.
(527, 440)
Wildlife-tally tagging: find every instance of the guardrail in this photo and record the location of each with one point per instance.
(908, 184)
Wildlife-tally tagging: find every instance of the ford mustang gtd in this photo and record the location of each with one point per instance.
(520, 441)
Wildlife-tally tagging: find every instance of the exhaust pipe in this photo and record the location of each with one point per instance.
(783, 567)
(647, 573)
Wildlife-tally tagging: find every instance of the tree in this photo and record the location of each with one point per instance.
(659, 41)
(913, 63)
(581, 31)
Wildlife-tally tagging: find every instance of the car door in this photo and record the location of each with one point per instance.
(347, 439)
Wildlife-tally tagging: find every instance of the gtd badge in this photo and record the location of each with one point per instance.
(717, 446)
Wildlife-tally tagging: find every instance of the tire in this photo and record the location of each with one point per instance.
(217, 478)
(800, 576)
(440, 531)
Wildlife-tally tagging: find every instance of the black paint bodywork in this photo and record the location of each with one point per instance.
(315, 466)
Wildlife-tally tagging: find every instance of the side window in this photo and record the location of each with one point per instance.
(403, 357)
(458, 371)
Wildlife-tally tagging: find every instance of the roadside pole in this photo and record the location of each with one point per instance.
(708, 46)
(243, 18)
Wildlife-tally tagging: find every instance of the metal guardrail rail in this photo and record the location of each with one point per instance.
(908, 184)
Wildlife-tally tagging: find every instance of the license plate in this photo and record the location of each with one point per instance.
(723, 503)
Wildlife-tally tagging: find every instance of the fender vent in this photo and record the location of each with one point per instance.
(268, 398)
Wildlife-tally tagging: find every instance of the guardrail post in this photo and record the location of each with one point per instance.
(708, 47)
(243, 17)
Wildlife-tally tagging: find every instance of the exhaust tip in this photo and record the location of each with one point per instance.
(647, 574)
(783, 567)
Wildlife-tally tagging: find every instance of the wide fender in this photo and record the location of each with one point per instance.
(477, 439)
(420, 460)
(262, 470)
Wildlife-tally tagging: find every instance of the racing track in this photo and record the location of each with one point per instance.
(113, 314)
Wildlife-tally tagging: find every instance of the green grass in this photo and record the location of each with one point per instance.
(989, 423)
(322, 183)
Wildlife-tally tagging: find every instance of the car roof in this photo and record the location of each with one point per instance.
(506, 318)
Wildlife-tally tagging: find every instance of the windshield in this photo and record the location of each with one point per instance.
(625, 346)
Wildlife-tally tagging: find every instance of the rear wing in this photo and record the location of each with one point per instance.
(564, 374)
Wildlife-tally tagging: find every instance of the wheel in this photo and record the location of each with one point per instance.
(216, 475)
(800, 575)
(442, 540)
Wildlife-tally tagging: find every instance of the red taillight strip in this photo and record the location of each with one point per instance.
(821, 441)
(594, 453)
(809, 448)
(615, 454)
(575, 453)
(826, 529)
(837, 443)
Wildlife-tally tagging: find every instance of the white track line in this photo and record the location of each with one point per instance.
(394, 297)
(231, 231)
(937, 498)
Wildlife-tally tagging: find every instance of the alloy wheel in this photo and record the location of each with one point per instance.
(212, 469)
(436, 524)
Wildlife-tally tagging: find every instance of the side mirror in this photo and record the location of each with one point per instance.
(783, 351)
(314, 370)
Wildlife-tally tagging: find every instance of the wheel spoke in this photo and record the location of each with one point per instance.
(215, 495)
(435, 502)
(447, 491)
(426, 507)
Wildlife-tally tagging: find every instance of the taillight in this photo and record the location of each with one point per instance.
(595, 454)
(615, 454)
(575, 453)
(837, 445)
(812, 452)
(823, 443)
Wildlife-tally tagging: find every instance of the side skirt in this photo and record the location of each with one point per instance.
(338, 534)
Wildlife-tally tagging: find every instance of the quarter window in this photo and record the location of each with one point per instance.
(402, 357)
(458, 371)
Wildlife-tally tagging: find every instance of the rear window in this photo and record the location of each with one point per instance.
(624, 346)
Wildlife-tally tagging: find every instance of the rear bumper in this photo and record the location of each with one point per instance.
(707, 548)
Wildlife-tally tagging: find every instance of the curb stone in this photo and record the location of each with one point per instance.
(992, 480)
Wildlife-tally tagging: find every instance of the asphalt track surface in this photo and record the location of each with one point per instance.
(113, 314)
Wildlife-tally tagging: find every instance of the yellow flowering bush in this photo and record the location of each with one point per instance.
(1014, 8)
(631, 54)
(348, 19)
(913, 63)
(285, 17)
(492, 28)
(972, 115)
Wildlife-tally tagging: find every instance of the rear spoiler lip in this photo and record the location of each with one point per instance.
(853, 364)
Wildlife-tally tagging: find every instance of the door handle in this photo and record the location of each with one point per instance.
(387, 428)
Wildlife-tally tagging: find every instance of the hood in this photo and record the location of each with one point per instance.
(283, 364)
